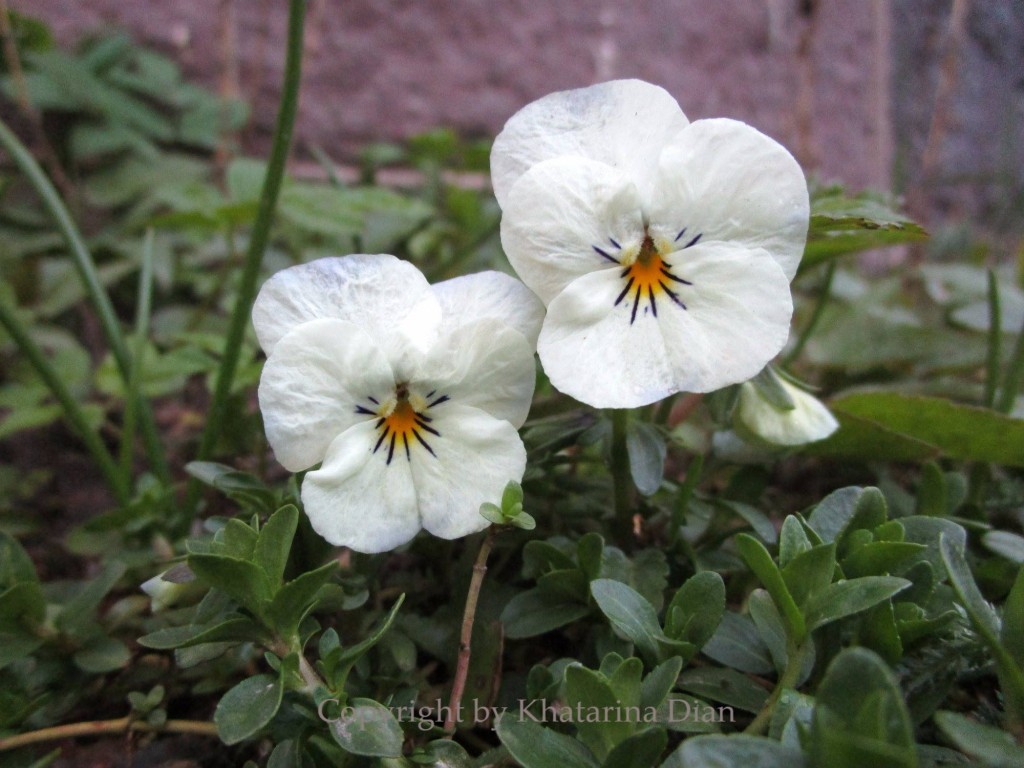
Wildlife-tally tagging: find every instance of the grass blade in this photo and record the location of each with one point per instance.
(134, 394)
(993, 359)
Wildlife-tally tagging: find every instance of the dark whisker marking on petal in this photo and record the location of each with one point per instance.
(672, 294)
(405, 442)
(430, 394)
(626, 271)
(670, 276)
(612, 241)
(694, 241)
(373, 400)
(424, 443)
(624, 292)
(605, 254)
(430, 429)
(681, 233)
(636, 303)
(441, 399)
(423, 417)
(366, 411)
(380, 439)
(650, 296)
(391, 449)
(380, 423)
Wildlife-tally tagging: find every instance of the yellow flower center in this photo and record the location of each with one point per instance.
(648, 278)
(402, 420)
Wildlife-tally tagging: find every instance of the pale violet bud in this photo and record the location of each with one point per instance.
(171, 587)
(758, 420)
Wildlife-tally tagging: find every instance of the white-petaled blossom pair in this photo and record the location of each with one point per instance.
(663, 249)
(409, 394)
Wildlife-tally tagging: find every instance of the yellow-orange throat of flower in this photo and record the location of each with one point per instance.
(649, 278)
(402, 420)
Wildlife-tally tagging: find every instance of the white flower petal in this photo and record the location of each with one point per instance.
(727, 181)
(808, 421)
(623, 123)
(559, 213)
(476, 456)
(491, 294)
(357, 499)
(311, 384)
(387, 297)
(485, 364)
(737, 319)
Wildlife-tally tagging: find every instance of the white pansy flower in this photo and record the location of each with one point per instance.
(759, 420)
(663, 249)
(409, 395)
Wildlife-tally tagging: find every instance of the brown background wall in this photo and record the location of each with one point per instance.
(850, 86)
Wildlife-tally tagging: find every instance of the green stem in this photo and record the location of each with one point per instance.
(819, 310)
(93, 287)
(620, 466)
(72, 411)
(789, 679)
(1014, 374)
(258, 240)
(993, 359)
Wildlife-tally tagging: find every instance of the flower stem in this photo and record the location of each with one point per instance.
(93, 287)
(789, 678)
(72, 411)
(105, 728)
(819, 309)
(620, 466)
(466, 638)
(258, 239)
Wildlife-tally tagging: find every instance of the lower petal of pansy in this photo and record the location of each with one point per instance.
(613, 343)
(312, 387)
(474, 458)
(358, 499)
(567, 217)
(727, 181)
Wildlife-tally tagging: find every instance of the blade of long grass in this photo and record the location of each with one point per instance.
(993, 358)
(134, 396)
(72, 410)
(93, 287)
(1014, 374)
(258, 239)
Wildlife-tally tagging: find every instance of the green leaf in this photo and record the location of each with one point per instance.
(535, 612)
(859, 717)
(584, 689)
(105, 654)
(275, 542)
(660, 682)
(248, 707)
(958, 431)
(810, 573)
(248, 490)
(1013, 620)
(881, 557)
(995, 748)
(630, 613)
(726, 686)
(534, 746)
(78, 614)
(696, 609)
(646, 448)
(238, 629)
(738, 644)
(845, 510)
(845, 598)
(244, 581)
(294, 600)
(792, 541)
(1009, 545)
(349, 656)
(24, 600)
(760, 562)
(590, 555)
(735, 751)
(931, 493)
(15, 564)
(366, 727)
(639, 751)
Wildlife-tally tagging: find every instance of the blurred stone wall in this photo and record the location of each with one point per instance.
(850, 86)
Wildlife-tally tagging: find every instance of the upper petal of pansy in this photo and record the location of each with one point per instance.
(567, 217)
(726, 181)
(623, 123)
(312, 384)
(485, 364)
(736, 319)
(359, 500)
(387, 297)
(475, 457)
(489, 295)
